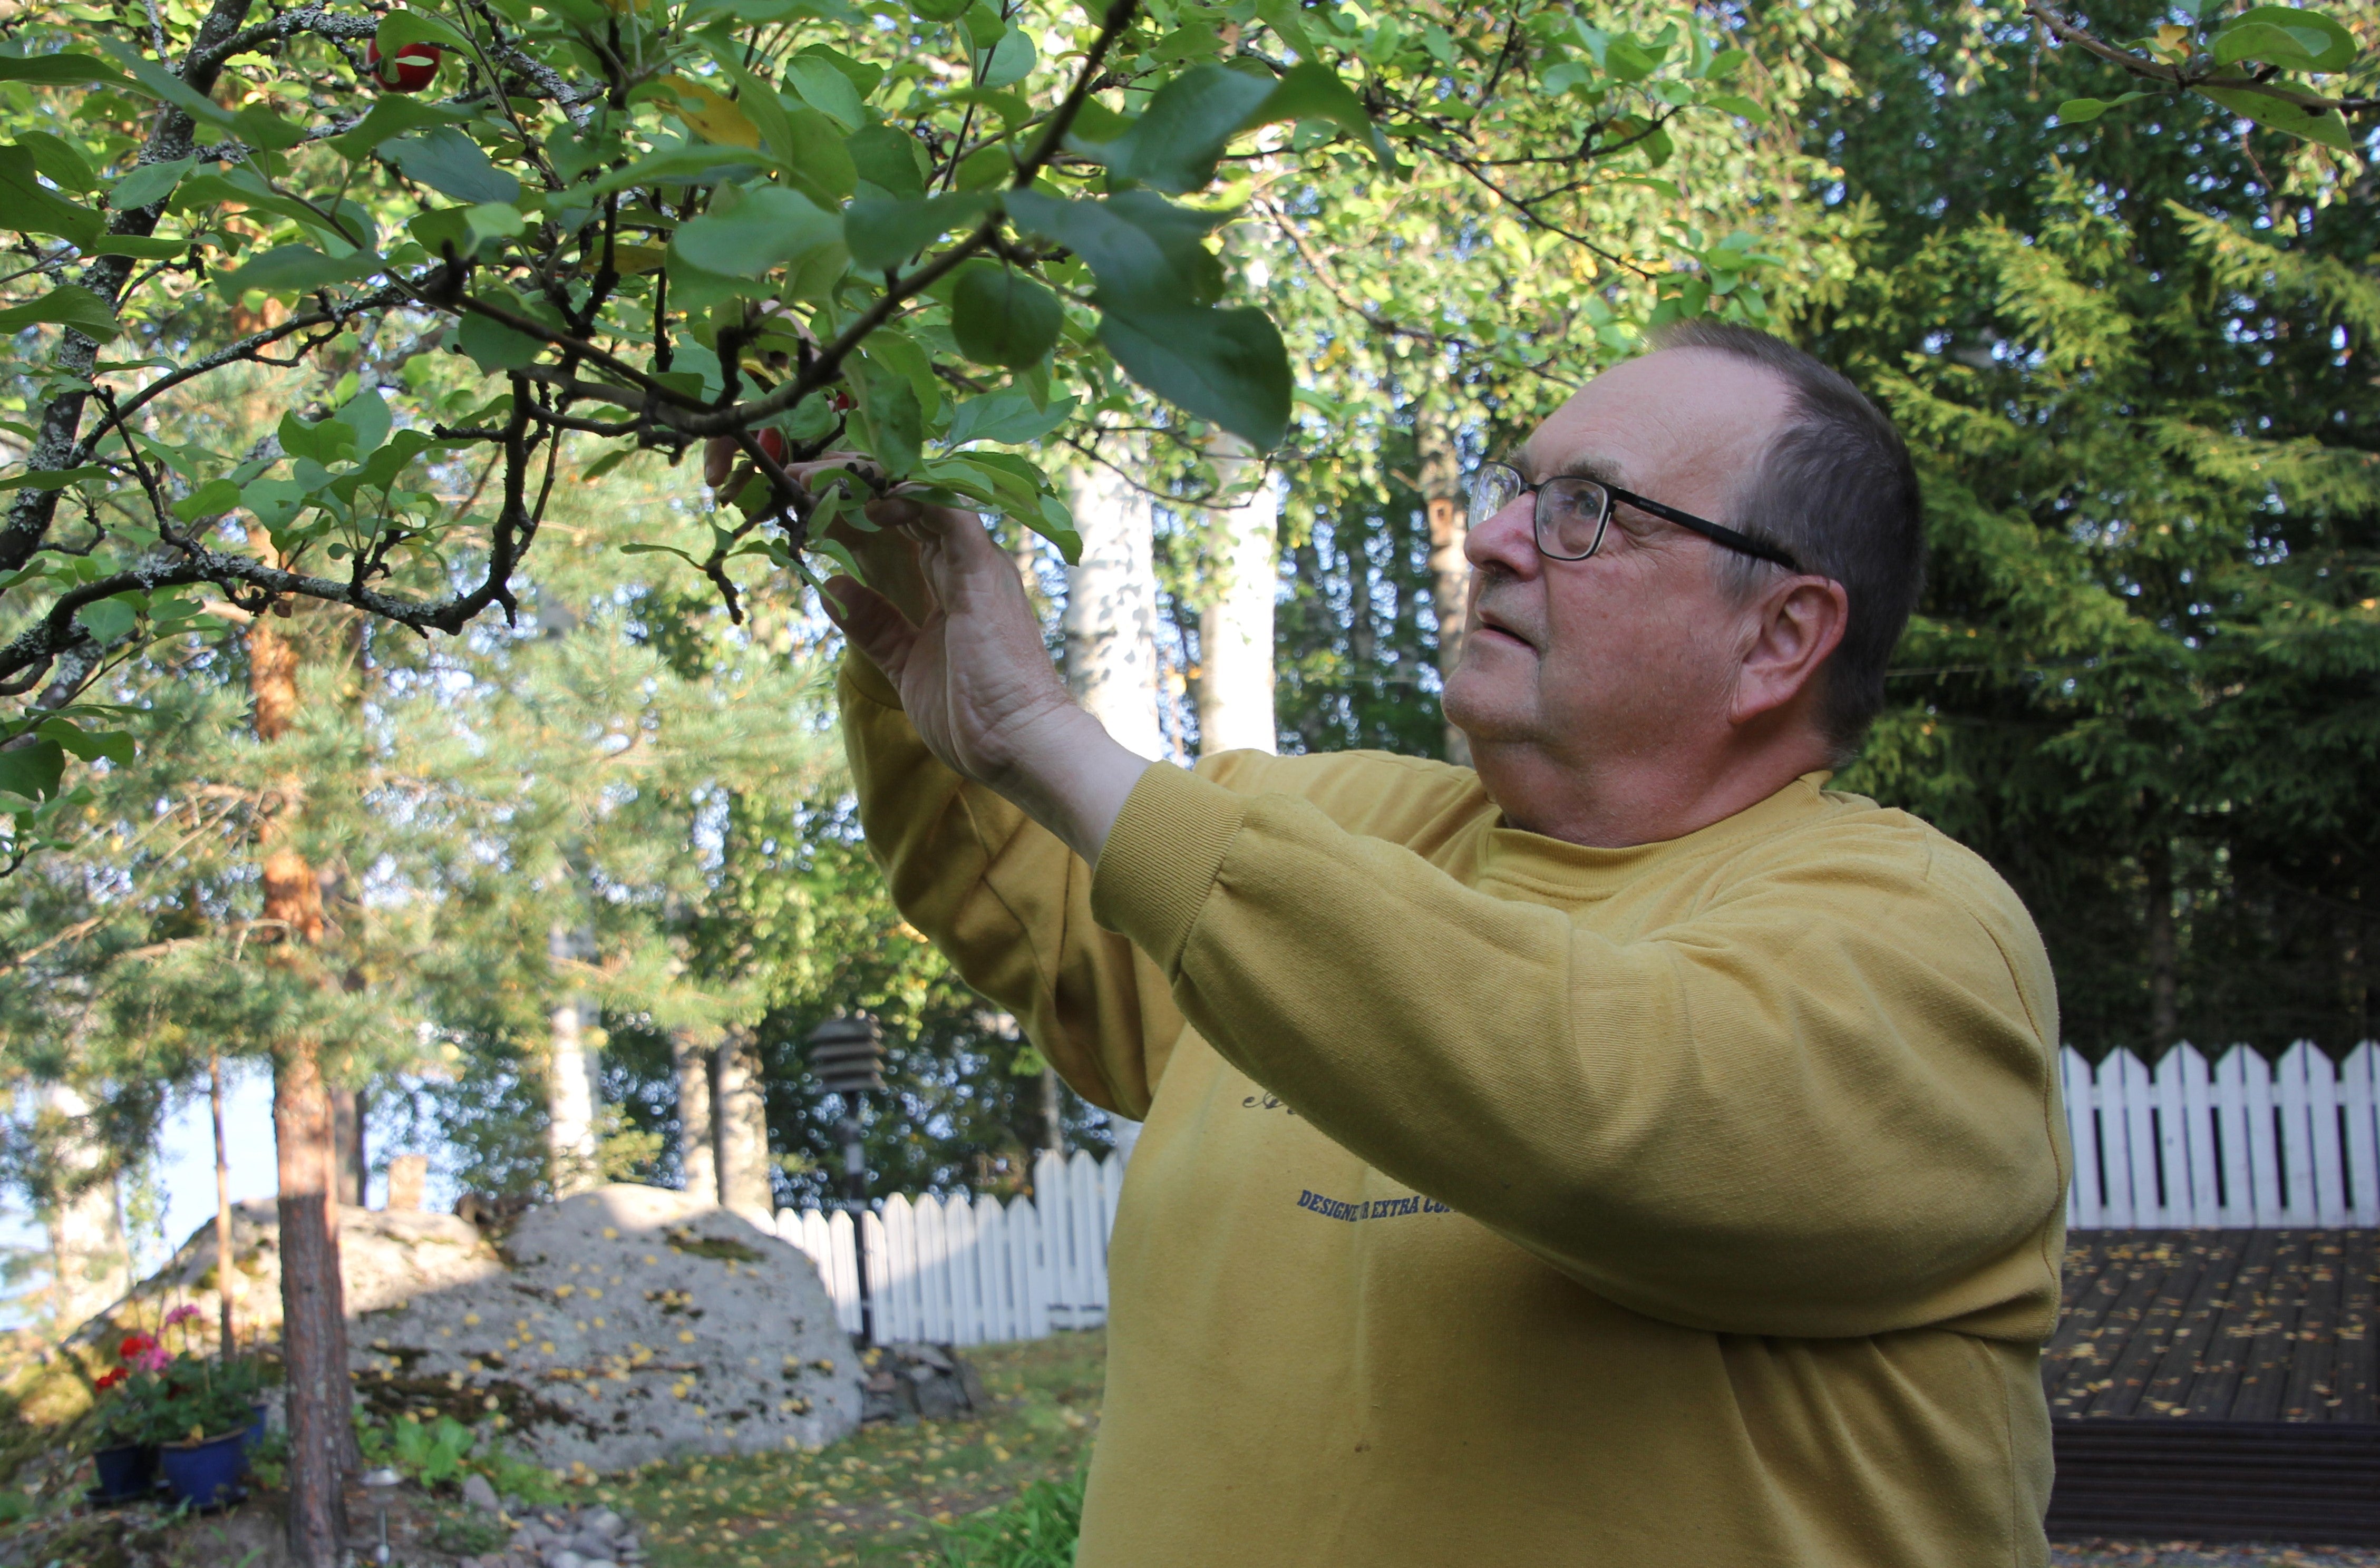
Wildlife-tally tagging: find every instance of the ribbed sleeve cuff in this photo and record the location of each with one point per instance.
(1161, 858)
(863, 678)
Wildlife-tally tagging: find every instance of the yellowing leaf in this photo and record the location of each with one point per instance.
(715, 117)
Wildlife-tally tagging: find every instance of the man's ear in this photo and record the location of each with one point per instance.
(1800, 623)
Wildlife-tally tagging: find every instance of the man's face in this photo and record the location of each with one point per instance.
(1590, 660)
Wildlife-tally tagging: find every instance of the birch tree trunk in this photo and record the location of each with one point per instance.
(349, 1110)
(90, 1268)
(570, 1087)
(1235, 674)
(1110, 624)
(1443, 505)
(313, 1310)
(743, 1122)
(697, 1154)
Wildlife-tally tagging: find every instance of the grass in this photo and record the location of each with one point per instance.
(896, 1494)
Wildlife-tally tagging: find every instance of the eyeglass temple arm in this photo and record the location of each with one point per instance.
(1718, 532)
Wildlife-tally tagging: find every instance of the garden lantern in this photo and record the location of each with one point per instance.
(847, 1058)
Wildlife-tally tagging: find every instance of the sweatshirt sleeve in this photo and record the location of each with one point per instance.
(1008, 903)
(1820, 1106)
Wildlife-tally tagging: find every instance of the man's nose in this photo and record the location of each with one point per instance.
(1507, 539)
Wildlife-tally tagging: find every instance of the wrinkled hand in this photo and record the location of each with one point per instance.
(953, 630)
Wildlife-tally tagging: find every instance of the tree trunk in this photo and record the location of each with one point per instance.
(314, 1330)
(2165, 1021)
(1111, 612)
(698, 1157)
(1111, 625)
(225, 1269)
(1235, 678)
(349, 1107)
(570, 1087)
(1442, 503)
(1054, 1125)
(89, 1267)
(743, 1122)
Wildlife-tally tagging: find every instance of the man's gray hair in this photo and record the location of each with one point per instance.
(1836, 488)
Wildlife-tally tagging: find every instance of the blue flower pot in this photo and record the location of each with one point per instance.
(205, 1475)
(126, 1471)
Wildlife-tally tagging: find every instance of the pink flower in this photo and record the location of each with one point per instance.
(153, 1359)
(185, 1313)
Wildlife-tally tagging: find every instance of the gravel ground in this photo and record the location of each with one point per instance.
(2201, 1554)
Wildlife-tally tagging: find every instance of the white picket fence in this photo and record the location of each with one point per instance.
(961, 1270)
(2242, 1145)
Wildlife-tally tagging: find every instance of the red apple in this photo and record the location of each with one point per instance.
(415, 67)
(843, 403)
(773, 443)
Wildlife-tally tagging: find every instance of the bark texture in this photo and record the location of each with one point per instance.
(1111, 611)
(1235, 629)
(697, 1149)
(570, 1088)
(1442, 503)
(314, 1326)
(745, 1184)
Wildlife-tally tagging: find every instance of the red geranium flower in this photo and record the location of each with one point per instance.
(135, 1344)
(109, 1380)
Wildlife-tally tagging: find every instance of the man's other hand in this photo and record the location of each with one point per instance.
(953, 630)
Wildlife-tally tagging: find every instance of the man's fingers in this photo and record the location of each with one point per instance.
(871, 623)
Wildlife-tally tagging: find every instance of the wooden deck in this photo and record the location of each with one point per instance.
(2217, 1385)
(2217, 1326)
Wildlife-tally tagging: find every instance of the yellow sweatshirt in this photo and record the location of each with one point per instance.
(1504, 1201)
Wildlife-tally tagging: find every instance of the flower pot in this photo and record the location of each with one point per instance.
(206, 1474)
(128, 1470)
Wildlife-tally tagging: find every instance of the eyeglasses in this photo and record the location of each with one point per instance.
(1571, 515)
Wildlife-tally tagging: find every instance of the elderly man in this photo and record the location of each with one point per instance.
(1629, 1152)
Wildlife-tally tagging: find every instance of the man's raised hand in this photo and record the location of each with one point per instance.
(965, 654)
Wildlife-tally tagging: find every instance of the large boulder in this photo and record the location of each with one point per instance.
(621, 1326)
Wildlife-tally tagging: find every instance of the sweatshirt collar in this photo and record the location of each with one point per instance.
(1514, 855)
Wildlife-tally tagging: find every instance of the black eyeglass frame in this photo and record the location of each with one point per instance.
(1717, 533)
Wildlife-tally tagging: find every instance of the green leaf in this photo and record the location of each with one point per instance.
(939, 11)
(140, 246)
(1008, 416)
(1282, 16)
(69, 305)
(367, 415)
(492, 345)
(1001, 317)
(452, 163)
(2082, 111)
(149, 184)
(61, 70)
(53, 479)
(107, 620)
(295, 268)
(1174, 144)
(771, 226)
(894, 421)
(2280, 115)
(2284, 36)
(1145, 252)
(210, 500)
(93, 745)
(260, 127)
(1010, 61)
(889, 158)
(32, 769)
(391, 116)
(883, 235)
(690, 163)
(399, 28)
(863, 77)
(61, 161)
(1226, 367)
(819, 163)
(1312, 91)
(827, 90)
(27, 206)
(154, 81)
